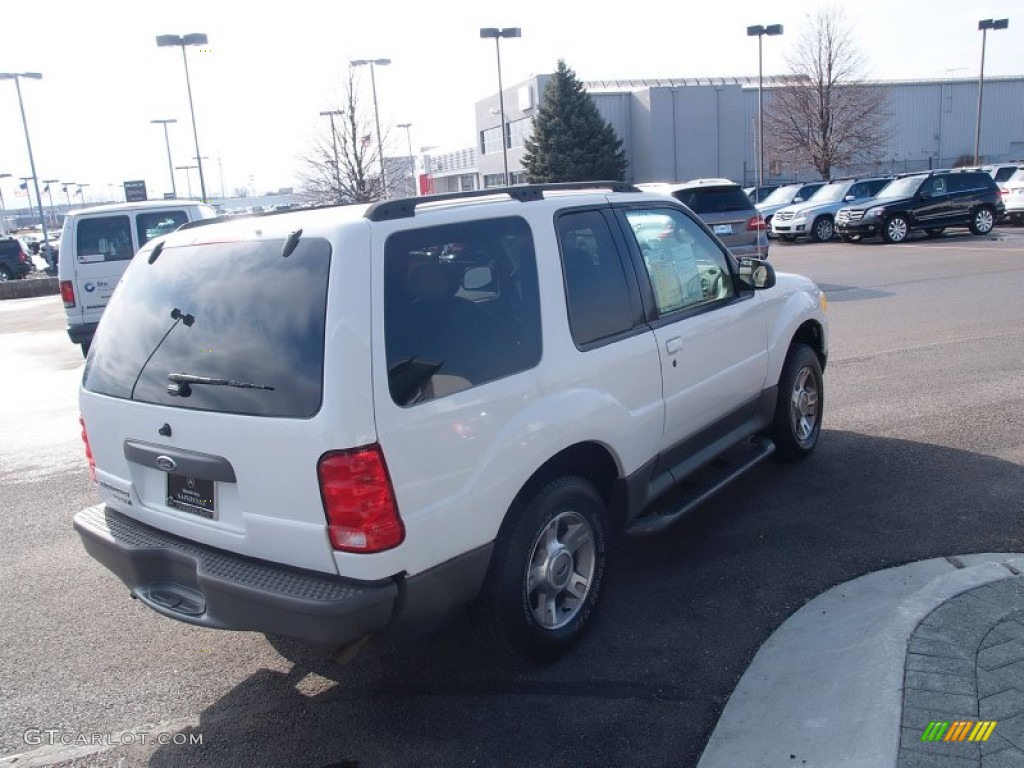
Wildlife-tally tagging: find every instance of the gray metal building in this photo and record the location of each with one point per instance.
(685, 128)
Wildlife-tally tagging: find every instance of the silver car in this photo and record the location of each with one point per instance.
(787, 195)
(726, 209)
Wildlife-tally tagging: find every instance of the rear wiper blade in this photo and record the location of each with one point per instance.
(181, 383)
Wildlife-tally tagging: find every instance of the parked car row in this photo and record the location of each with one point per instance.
(893, 207)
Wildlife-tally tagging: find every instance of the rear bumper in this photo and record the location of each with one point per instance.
(82, 332)
(201, 585)
(212, 588)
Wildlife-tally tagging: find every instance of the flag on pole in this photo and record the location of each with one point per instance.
(22, 188)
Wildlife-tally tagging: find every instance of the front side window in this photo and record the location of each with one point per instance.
(597, 293)
(157, 223)
(936, 185)
(685, 267)
(461, 307)
(104, 238)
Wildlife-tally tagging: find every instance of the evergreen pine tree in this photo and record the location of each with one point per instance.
(571, 142)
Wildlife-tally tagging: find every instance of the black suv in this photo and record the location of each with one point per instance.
(14, 262)
(929, 201)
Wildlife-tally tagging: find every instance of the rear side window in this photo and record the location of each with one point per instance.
(1005, 173)
(247, 320)
(461, 307)
(104, 238)
(154, 224)
(714, 199)
(596, 290)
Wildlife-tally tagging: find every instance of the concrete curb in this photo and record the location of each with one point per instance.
(24, 289)
(826, 689)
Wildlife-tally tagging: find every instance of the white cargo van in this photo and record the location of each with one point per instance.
(96, 245)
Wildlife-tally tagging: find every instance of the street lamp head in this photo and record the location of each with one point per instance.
(14, 75)
(760, 29)
(504, 32)
(378, 62)
(195, 38)
(165, 120)
(329, 112)
(403, 125)
(993, 24)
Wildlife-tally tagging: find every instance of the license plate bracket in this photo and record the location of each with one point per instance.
(194, 495)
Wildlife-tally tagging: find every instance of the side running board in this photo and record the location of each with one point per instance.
(696, 489)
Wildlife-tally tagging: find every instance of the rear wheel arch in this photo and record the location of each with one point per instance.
(591, 461)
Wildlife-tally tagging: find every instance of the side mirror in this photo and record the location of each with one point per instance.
(798, 199)
(849, 198)
(756, 273)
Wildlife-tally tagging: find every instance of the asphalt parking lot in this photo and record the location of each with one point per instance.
(922, 456)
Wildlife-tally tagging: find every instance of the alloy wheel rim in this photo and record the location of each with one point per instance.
(560, 572)
(804, 406)
(983, 220)
(897, 229)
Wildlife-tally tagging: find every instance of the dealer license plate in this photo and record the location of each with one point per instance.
(191, 494)
(723, 229)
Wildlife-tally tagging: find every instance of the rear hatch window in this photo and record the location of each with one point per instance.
(227, 327)
(705, 200)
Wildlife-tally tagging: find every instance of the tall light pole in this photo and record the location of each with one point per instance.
(49, 194)
(188, 176)
(3, 208)
(332, 113)
(497, 34)
(196, 38)
(760, 31)
(412, 161)
(67, 195)
(81, 193)
(167, 139)
(984, 25)
(376, 114)
(16, 77)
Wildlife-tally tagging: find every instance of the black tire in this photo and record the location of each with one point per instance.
(896, 229)
(798, 412)
(982, 220)
(5, 274)
(529, 607)
(935, 231)
(823, 229)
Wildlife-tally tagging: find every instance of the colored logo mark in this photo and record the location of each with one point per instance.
(959, 730)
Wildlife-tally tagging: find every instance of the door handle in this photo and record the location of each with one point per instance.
(673, 345)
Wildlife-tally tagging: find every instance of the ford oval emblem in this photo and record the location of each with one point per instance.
(166, 463)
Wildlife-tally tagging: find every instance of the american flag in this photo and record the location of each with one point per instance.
(366, 141)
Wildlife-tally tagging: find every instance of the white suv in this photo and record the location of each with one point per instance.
(322, 422)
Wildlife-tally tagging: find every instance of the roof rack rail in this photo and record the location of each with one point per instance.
(405, 207)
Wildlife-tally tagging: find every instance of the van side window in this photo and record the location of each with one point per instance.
(104, 238)
(157, 223)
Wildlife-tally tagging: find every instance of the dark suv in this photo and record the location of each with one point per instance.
(14, 262)
(929, 201)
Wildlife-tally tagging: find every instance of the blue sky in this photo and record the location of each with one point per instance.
(271, 68)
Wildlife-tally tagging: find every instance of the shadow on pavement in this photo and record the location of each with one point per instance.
(682, 617)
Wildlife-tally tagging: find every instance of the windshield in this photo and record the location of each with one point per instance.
(902, 187)
(781, 195)
(235, 312)
(831, 193)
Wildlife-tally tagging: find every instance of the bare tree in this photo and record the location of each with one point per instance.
(340, 167)
(826, 115)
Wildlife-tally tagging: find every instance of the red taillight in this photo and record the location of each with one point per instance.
(362, 515)
(756, 222)
(22, 256)
(88, 451)
(67, 292)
